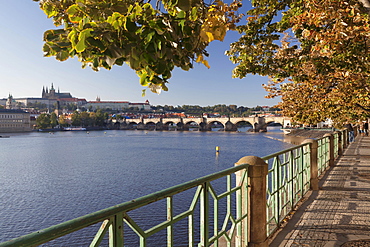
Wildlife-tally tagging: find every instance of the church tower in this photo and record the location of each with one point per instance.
(52, 91)
(9, 102)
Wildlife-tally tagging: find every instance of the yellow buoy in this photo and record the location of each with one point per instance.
(217, 149)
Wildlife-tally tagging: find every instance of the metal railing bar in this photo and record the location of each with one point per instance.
(191, 230)
(167, 223)
(215, 220)
(227, 193)
(132, 224)
(196, 196)
(101, 233)
(170, 218)
(226, 220)
(204, 215)
(116, 231)
(270, 156)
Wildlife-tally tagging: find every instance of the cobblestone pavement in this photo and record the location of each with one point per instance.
(339, 213)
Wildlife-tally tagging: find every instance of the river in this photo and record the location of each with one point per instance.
(48, 178)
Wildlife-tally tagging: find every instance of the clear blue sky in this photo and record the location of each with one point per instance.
(24, 70)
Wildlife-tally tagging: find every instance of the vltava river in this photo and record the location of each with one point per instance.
(48, 178)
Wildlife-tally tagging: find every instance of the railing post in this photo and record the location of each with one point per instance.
(340, 140)
(257, 174)
(116, 231)
(331, 149)
(314, 181)
(345, 138)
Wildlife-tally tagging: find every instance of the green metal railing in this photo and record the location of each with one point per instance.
(288, 181)
(211, 230)
(323, 156)
(336, 136)
(215, 216)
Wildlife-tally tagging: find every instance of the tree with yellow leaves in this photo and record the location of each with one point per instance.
(316, 54)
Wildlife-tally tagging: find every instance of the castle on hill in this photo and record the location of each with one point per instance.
(53, 99)
(51, 94)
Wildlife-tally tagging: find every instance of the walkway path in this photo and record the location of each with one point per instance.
(339, 213)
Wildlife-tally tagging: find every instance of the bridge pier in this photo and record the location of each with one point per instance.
(159, 126)
(141, 126)
(229, 126)
(204, 127)
(261, 125)
(180, 126)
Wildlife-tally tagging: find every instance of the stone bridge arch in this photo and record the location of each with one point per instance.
(243, 123)
(215, 123)
(191, 125)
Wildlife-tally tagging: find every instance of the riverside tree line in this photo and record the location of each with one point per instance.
(83, 119)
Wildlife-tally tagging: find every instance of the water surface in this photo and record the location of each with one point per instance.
(48, 178)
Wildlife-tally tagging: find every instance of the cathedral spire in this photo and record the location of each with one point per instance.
(9, 102)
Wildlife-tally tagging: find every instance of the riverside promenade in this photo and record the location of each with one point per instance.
(338, 214)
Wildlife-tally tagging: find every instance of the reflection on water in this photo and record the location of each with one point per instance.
(295, 140)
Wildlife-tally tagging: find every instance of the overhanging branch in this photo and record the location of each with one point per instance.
(363, 108)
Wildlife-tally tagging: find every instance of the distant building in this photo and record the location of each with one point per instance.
(30, 102)
(49, 99)
(62, 99)
(51, 94)
(10, 104)
(141, 106)
(14, 120)
(265, 108)
(115, 105)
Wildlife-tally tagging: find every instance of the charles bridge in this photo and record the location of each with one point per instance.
(259, 124)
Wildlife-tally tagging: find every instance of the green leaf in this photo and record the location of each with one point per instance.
(73, 9)
(143, 79)
(96, 43)
(62, 56)
(181, 14)
(149, 37)
(81, 45)
(194, 14)
(49, 9)
(96, 62)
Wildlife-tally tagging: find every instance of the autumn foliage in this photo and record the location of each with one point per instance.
(316, 54)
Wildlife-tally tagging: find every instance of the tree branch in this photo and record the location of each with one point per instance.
(363, 108)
